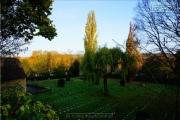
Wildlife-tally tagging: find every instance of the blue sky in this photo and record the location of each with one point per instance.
(70, 17)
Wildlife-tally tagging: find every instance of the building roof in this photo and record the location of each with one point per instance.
(11, 69)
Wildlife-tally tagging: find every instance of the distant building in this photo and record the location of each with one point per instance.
(12, 73)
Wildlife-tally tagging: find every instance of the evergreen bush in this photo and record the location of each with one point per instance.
(61, 82)
(122, 83)
(67, 78)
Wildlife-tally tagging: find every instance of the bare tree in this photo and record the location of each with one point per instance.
(159, 25)
(161, 28)
(12, 46)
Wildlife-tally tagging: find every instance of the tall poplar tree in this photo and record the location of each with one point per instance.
(90, 40)
(132, 50)
(90, 45)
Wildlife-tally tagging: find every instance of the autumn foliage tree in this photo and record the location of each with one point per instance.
(90, 39)
(26, 65)
(46, 62)
(90, 45)
(132, 50)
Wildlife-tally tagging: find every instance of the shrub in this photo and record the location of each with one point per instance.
(67, 78)
(16, 104)
(122, 83)
(61, 82)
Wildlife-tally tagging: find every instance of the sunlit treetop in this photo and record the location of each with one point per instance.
(90, 40)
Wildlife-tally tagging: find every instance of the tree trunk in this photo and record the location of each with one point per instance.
(106, 92)
(106, 75)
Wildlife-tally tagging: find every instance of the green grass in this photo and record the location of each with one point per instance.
(124, 102)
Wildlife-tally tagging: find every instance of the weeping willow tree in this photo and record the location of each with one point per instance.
(90, 45)
(107, 60)
(127, 61)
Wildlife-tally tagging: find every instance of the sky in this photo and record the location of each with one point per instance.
(70, 17)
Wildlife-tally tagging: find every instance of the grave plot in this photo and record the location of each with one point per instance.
(143, 107)
(107, 108)
(62, 97)
(161, 104)
(76, 106)
(68, 98)
(124, 102)
(63, 92)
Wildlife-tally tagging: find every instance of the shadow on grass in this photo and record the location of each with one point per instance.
(36, 89)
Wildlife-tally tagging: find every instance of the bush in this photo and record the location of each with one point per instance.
(122, 83)
(16, 104)
(67, 78)
(61, 82)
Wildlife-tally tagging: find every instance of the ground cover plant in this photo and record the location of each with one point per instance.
(124, 102)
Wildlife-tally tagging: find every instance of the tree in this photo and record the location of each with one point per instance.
(66, 60)
(161, 29)
(38, 62)
(90, 45)
(105, 61)
(48, 55)
(126, 61)
(74, 69)
(21, 21)
(26, 65)
(59, 71)
(88, 66)
(132, 50)
(90, 40)
(177, 62)
(12, 46)
(48, 62)
(158, 69)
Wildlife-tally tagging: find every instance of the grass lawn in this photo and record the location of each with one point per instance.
(77, 100)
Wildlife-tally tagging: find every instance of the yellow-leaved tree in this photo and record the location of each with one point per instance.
(90, 39)
(90, 45)
(132, 49)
